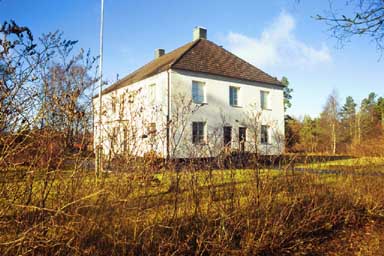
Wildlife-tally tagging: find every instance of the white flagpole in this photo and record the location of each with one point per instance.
(98, 163)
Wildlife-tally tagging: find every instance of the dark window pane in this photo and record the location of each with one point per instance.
(227, 136)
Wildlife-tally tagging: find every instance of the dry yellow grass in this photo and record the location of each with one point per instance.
(231, 212)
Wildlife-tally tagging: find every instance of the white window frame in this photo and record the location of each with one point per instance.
(265, 100)
(202, 138)
(204, 96)
(237, 90)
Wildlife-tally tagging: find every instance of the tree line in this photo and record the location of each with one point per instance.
(341, 128)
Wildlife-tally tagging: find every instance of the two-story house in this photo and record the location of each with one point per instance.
(196, 101)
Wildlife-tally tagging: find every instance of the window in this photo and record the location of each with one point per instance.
(233, 96)
(198, 92)
(264, 99)
(152, 93)
(242, 138)
(198, 132)
(227, 136)
(264, 136)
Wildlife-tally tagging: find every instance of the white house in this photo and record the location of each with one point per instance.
(199, 100)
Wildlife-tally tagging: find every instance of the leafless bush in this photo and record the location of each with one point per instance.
(211, 212)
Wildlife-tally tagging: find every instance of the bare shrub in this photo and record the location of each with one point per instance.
(370, 147)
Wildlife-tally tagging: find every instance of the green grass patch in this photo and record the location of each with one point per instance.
(347, 164)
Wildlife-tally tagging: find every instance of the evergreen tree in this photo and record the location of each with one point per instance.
(348, 120)
(380, 110)
(308, 134)
(369, 118)
(287, 93)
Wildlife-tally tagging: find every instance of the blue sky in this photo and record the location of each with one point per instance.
(278, 36)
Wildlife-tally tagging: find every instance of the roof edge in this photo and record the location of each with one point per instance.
(240, 79)
(262, 71)
(170, 65)
(119, 82)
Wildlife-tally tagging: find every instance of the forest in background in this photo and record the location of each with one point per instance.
(343, 127)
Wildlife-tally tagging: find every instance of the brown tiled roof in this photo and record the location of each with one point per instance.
(199, 56)
(208, 57)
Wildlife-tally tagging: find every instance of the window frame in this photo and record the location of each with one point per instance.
(201, 138)
(265, 100)
(204, 95)
(237, 90)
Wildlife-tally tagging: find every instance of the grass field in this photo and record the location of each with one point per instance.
(352, 162)
(362, 165)
(228, 212)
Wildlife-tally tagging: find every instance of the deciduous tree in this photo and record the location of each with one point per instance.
(330, 120)
(356, 18)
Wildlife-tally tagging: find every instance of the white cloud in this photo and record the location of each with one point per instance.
(277, 46)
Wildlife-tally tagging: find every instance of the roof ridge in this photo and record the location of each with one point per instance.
(184, 53)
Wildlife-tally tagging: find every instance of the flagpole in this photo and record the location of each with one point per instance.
(99, 165)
